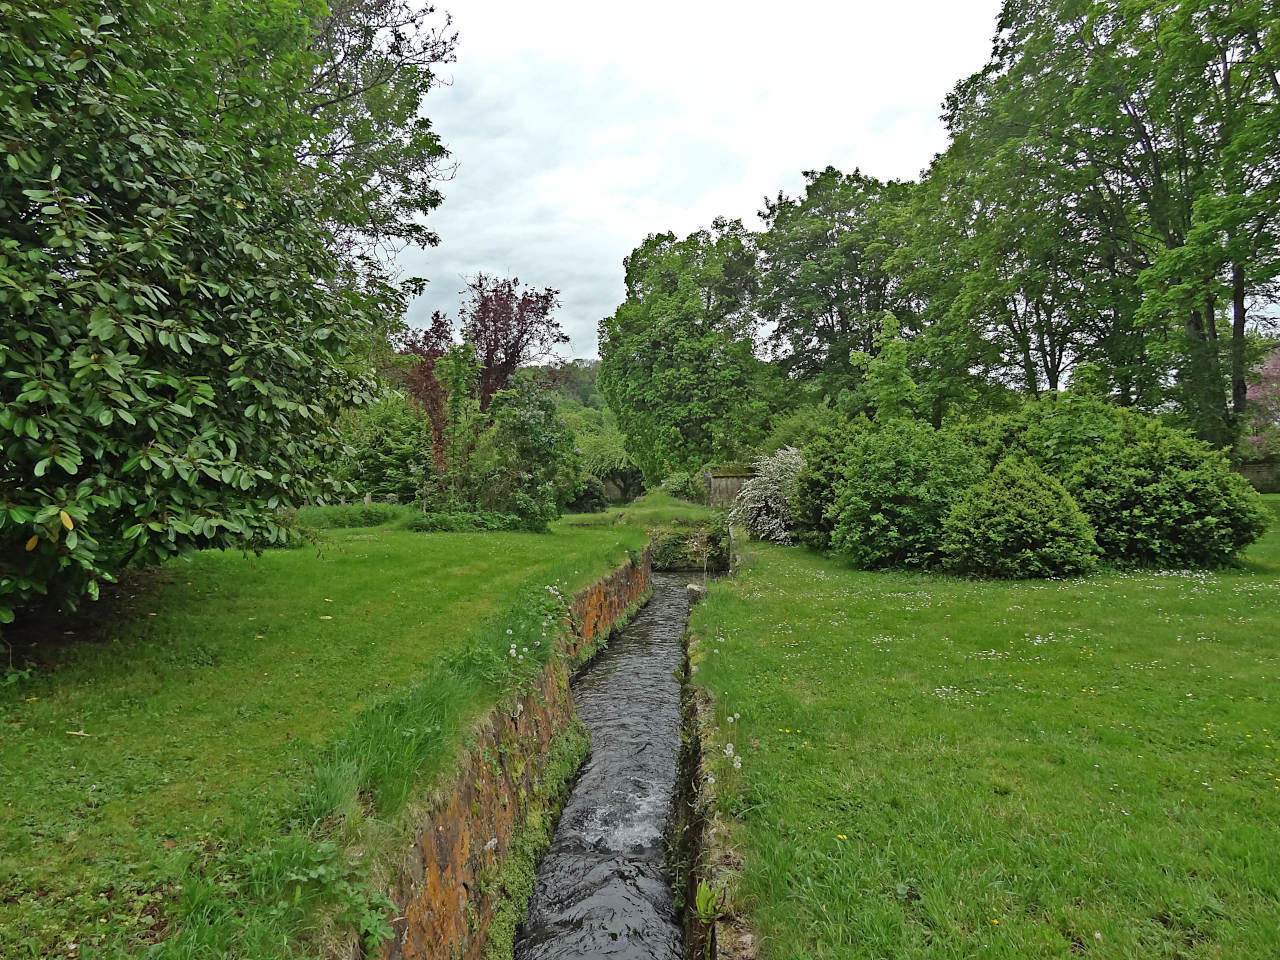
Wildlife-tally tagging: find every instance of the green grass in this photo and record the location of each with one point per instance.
(654, 509)
(191, 771)
(934, 767)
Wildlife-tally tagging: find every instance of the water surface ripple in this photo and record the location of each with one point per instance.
(602, 890)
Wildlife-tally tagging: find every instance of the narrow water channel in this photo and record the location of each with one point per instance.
(602, 890)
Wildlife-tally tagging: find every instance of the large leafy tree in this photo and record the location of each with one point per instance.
(511, 325)
(507, 325)
(1124, 189)
(678, 364)
(183, 320)
(825, 278)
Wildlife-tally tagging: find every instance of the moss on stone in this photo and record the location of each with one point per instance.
(516, 873)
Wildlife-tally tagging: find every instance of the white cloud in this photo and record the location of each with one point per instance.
(580, 127)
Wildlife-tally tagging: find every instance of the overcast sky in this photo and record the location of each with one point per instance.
(578, 128)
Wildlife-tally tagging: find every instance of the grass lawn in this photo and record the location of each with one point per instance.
(191, 724)
(934, 767)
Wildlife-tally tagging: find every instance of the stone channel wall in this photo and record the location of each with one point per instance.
(447, 892)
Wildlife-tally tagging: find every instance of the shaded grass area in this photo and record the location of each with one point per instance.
(934, 767)
(240, 721)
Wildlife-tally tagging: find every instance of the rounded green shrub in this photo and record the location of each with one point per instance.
(1020, 522)
(897, 482)
(1162, 498)
(1156, 496)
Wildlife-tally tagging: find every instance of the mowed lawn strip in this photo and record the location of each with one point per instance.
(934, 767)
(197, 717)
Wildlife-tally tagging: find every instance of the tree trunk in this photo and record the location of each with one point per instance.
(1239, 384)
(1202, 380)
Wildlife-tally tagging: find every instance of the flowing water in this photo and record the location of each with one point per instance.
(602, 890)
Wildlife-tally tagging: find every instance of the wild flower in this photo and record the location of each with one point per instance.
(728, 749)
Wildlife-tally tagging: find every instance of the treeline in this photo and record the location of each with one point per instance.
(1103, 220)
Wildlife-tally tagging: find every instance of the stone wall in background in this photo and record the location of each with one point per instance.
(1263, 474)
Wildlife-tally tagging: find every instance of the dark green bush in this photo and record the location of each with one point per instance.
(1019, 522)
(1055, 432)
(1161, 498)
(467, 522)
(814, 495)
(590, 499)
(897, 483)
(1156, 496)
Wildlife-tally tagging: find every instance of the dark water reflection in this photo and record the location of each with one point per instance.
(602, 890)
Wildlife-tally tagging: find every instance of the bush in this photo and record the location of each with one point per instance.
(801, 426)
(815, 484)
(1162, 498)
(763, 505)
(1055, 432)
(897, 483)
(686, 486)
(518, 457)
(388, 451)
(1020, 522)
(692, 546)
(590, 499)
(1156, 496)
(346, 515)
(469, 523)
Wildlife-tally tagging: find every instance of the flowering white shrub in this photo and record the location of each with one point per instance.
(763, 505)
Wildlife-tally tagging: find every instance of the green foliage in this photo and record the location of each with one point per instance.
(895, 484)
(678, 366)
(590, 499)
(463, 522)
(1155, 495)
(707, 902)
(826, 281)
(1019, 522)
(686, 486)
(1056, 432)
(690, 544)
(345, 516)
(1162, 498)
(388, 451)
(517, 457)
(602, 447)
(886, 390)
(526, 462)
(182, 313)
(824, 458)
(800, 426)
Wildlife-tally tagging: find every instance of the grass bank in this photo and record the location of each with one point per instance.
(189, 773)
(933, 767)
